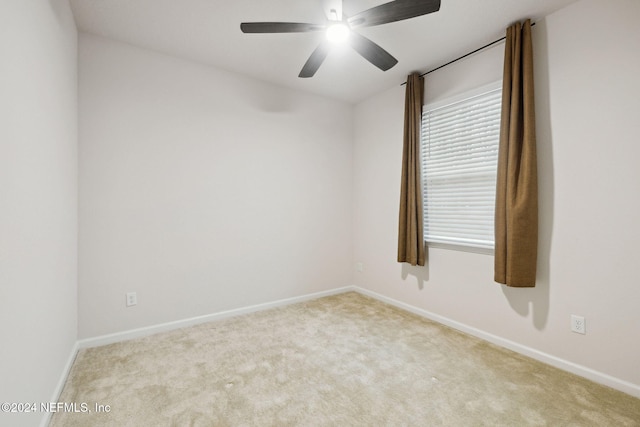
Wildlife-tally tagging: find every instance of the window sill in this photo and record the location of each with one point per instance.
(461, 248)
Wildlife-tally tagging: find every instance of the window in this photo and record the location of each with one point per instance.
(459, 146)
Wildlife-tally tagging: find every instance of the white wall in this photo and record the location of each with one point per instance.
(38, 200)
(203, 191)
(587, 92)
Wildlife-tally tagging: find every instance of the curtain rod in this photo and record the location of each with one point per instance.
(464, 56)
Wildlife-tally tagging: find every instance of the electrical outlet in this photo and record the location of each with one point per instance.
(132, 299)
(578, 324)
(359, 267)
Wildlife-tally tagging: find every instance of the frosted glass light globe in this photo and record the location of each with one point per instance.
(338, 33)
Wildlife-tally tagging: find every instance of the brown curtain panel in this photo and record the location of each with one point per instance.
(516, 220)
(410, 235)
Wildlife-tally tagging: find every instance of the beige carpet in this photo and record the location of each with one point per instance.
(345, 360)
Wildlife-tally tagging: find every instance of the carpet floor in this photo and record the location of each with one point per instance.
(343, 360)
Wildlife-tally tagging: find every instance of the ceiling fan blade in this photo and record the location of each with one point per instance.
(394, 11)
(315, 60)
(279, 27)
(372, 52)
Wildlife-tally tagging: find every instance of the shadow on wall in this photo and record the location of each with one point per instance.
(269, 99)
(421, 273)
(64, 17)
(536, 300)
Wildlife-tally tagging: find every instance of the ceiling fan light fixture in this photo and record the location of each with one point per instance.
(338, 32)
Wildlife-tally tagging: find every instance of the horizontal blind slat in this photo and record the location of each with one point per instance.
(459, 144)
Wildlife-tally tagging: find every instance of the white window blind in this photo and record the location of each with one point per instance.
(459, 160)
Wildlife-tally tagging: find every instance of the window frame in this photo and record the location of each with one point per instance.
(460, 97)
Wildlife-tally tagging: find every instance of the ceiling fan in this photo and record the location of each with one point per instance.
(340, 28)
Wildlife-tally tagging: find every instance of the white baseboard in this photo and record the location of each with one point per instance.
(150, 330)
(46, 418)
(565, 365)
(163, 327)
(599, 377)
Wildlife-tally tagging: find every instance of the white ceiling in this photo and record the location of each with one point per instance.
(208, 31)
